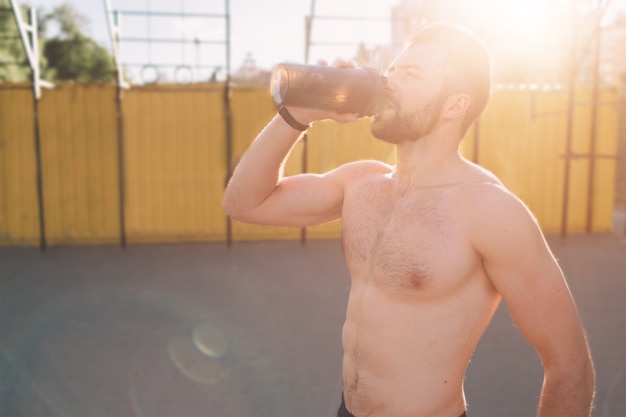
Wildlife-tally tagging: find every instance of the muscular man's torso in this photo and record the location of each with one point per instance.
(419, 299)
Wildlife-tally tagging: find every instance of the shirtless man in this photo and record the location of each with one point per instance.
(432, 244)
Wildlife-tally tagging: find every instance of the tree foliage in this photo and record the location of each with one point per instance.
(13, 60)
(73, 55)
(78, 58)
(69, 55)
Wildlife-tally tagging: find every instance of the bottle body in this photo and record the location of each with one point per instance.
(344, 90)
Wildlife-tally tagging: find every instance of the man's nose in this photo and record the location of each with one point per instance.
(389, 82)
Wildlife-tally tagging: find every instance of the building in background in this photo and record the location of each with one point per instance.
(613, 56)
(250, 73)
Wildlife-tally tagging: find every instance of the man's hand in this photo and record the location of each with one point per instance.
(308, 116)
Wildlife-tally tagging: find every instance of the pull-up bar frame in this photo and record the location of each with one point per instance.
(114, 24)
(30, 39)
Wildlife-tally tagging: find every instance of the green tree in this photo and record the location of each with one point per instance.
(13, 61)
(71, 55)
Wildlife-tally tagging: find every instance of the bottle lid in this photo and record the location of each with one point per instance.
(279, 84)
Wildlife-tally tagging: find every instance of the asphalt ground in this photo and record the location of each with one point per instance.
(250, 330)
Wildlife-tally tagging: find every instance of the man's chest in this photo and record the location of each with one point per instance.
(414, 242)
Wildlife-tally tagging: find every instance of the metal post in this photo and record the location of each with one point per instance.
(569, 134)
(228, 119)
(308, 31)
(621, 158)
(594, 122)
(114, 25)
(308, 24)
(40, 195)
(37, 131)
(120, 85)
(30, 40)
(120, 164)
(305, 168)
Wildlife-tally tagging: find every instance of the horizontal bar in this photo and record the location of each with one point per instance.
(13, 86)
(346, 43)
(334, 43)
(587, 102)
(358, 18)
(46, 84)
(163, 65)
(190, 87)
(576, 155)
(169, 14)
(549, 113)
(170, 40)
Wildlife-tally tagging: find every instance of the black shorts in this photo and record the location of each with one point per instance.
(343, 411)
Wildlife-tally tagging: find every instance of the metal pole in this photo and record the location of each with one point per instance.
(31, 46)
(40, 195)
(37, 130)
(305, 168)
(120, 137)
(619, 207)
(228, 119)
(308, 31)
(113, 23)
(120, 164)
(594, 123)
(569, 133)
(308, 23)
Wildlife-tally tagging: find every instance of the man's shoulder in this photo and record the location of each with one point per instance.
(371, 165)
(359, 169)
(495, 207)
(487, 187)
(492, 196)
(488, 198)
(476, 173)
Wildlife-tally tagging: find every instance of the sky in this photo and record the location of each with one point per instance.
(272, 31)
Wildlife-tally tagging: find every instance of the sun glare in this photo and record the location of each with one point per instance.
(526, 37)
(530, 23)
(515, 19)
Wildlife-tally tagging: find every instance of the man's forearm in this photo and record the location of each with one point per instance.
(258, 172)
(569, 394)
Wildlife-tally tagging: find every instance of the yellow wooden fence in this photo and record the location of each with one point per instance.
(174, 161)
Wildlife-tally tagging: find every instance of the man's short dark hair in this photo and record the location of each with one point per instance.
(468, 69)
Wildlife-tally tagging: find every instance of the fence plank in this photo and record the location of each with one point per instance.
(175, 163)
(79, 158)
(19, 223)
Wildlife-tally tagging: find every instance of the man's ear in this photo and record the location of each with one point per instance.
(456, 105)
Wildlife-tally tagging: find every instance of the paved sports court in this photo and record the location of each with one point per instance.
(251, 330)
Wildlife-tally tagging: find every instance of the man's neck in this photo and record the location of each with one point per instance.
(430, 161)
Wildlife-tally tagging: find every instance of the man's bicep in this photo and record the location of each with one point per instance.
(299, 201)
(522, 268)
(311, 199)
(308, 199)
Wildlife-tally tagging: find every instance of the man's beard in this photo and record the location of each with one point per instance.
(401, 126)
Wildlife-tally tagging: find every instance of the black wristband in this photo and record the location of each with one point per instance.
(290, 120)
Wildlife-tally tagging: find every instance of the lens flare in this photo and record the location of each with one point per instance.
(210, 340)
(193, 363)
